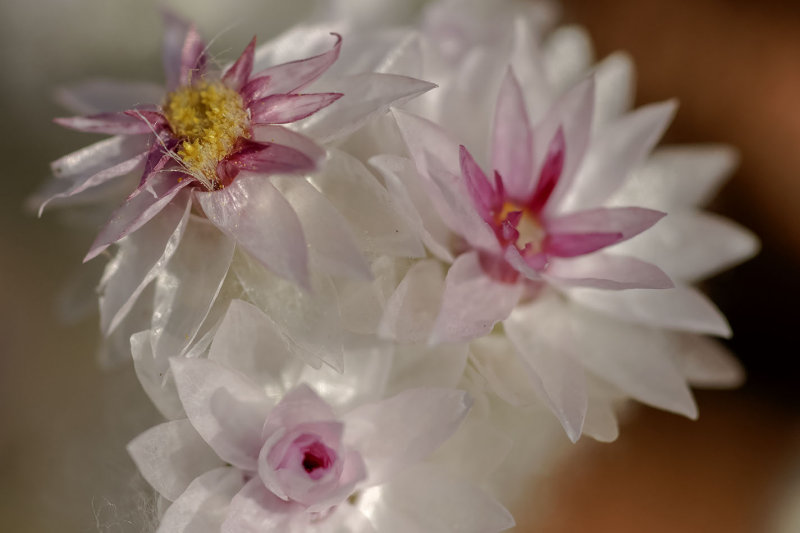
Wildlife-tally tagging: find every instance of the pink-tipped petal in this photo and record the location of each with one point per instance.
(176, 30)
(145, 202)
(292, 76)
(111, 123)
(472, 302)
(484, 198)
(193, 57)
(575, 244)
(226, 408)
(512, 139)
(606, 271)
(550, 173)
(264, 158)
(237, 75)
(626, 221)
(280, 135)
(286, 108)
(259, 218)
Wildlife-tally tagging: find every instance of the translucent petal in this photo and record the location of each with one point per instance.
(411, 310)
(103, 95)
(512, 139)
(155, 377)
(285, 108)
(203, 506)
(707, 364)
(606, 271)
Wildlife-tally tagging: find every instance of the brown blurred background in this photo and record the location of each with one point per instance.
(734, 65)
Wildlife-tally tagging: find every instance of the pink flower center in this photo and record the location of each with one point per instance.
(519, 226)
(317, 458)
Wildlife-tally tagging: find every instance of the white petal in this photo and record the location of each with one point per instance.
(141, 257)
(248, 341)
(678, 176)
(567, 54)
(204, 504)
(422, 366)
(155, 377)
(615, 152)
(227, 409)
(527, 63)
(97, 157)
(255, 509)
(614, 76)
(169, 456)
(681, 308)
(404, 429)
(258, 217)
(367, 206)
(104, 95)
(186, 288)
(691, 245)
(309, 321)
(365, 96)
(423, 499)
(298, 42)
(607, 271)
(496, 360)
(412, 308)
(707, 364)
(540, 332)
(601, 419)
(331, 242)
(472, 302)
(636, 359)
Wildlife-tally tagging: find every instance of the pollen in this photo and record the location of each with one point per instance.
(208, 118)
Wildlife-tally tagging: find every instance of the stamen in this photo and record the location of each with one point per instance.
(531, 232)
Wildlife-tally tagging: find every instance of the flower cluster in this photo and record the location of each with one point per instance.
(352, 266)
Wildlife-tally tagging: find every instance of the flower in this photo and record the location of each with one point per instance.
(244, 462)
(216, 136)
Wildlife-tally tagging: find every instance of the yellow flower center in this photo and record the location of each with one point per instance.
(529, 228)
(209, 118)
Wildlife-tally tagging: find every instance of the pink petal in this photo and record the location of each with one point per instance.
(111, 123)
(264, 159)
(260, 219)
(193, 58)
(472, 302)
(292, 76)
(170, 456)
(203, 506)
(575, 244)
(225, 407)
(606, 271)
(285, 108)
(139, 207)
(551, 172)
(484, 197)
(512, 139)
(402, 430)
(615, 153)
(176, 31)
(237, 75)
(626, 221)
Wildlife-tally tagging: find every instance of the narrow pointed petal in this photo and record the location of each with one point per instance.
(88, 181)
(111, 123)
(193, 57)
(259, 218)
(616, 152)
(145, 203)
(265, 159)
(332, 244)
(203, 506)
(381, 433)
(188, 285)
(577, 244)
(292, 76)
(140, 258)
(572, 114)
(436, 157)
(472, 302)
(412, 308)
(541, 334)
(366, 96)
(691, 245)
(606, 271)
(550, 173)
(238, 74)
(484, 198)
(626, 221)
(285, 137)
(425, 499)
(255, 508)
(286, 108)
(176, 30)
(97, 157)
(616, 85)
(708, 364)
(638, 360)
(681, 308)
(155, 376)
(227, 409)
(512, 139)
(171, 455)
(104, 96)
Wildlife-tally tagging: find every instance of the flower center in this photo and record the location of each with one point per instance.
(208, 118)
(531, 233)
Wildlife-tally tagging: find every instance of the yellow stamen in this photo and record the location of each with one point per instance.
(529, 228)
(209, 118)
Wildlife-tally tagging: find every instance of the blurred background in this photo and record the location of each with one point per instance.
(733, 64)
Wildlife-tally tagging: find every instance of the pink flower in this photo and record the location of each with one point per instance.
(217, 136)
(245, 463)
